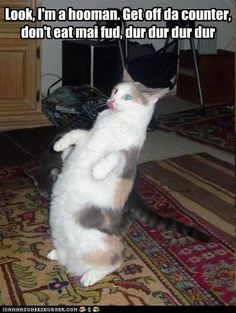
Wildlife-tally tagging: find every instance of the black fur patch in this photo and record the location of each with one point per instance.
(105, 220)
(131, 157)
(115, 258)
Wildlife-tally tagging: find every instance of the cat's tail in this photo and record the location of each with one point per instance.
(139, 210)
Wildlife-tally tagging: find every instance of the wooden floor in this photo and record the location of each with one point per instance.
(25, 145)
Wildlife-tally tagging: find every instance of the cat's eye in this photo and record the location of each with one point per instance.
(128, 97)
(115, 91)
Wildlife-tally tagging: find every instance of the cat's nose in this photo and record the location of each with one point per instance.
(111, 103)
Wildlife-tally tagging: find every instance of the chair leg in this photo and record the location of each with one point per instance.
(177, 70)
(201, 109)
(201, 101)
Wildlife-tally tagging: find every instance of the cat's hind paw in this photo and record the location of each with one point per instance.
(92, 277)
(52, 255)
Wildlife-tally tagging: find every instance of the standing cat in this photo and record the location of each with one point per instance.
(95, 182)
(50, 165)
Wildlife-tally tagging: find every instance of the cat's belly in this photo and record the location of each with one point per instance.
(82, 188)
(77, 188)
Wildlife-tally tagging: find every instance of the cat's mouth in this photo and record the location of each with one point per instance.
(111, 104)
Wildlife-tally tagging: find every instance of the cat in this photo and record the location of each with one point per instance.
(95, 181)
(135, 209)
(49, 166)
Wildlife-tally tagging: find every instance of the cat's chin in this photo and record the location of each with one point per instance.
(111, 104)
(111, 107)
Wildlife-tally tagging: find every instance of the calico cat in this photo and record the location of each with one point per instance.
(50, 165)
(94, 184)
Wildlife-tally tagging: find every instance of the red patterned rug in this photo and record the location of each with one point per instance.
(215, 128)
(160, 267)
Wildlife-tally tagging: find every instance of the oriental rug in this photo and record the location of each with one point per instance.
(216, 128)
(160, 267)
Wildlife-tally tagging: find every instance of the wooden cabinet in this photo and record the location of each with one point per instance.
(20, 103)
(216, 75)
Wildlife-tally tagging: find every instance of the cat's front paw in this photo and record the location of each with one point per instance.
(52, 255)
(98, 173)
(60, 145)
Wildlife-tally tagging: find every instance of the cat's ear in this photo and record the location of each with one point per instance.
(126, 76)
(154, 94)
(161, 92)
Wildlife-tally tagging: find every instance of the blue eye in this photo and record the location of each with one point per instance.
(128, 97)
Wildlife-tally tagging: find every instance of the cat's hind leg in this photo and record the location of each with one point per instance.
(100, 264)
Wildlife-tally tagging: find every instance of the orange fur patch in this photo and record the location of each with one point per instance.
(111, 257)
(115, 242)
(122, 192)
(137, 96)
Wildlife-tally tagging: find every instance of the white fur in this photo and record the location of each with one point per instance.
(89, 178)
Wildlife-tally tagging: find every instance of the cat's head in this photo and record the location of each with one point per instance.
(131, 96)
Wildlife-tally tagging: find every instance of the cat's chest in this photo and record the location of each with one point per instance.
(114, 134)
(113, 139)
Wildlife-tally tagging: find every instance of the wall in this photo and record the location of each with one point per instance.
(51, 49)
